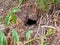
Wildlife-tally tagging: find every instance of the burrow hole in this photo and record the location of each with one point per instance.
(31, 22)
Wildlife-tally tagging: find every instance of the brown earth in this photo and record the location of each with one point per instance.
(32, 18)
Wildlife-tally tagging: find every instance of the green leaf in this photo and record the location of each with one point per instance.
(3, 40)
(28, 34)
(20, 1)
(14, 18)
(7, 19)
(15, 36)
(15, 10)
(49, 32)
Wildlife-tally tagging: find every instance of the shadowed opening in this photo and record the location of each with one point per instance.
(31, 22)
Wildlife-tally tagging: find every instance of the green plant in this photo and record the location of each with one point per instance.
(42, 40)
(50, 32)
(7, 19)
(45, 4)
(15, 36)
(28, 35)
(11, 15)
(20, 1)
(15, 10)
(3, 39)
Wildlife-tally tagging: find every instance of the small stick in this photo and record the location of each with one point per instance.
(48, 26)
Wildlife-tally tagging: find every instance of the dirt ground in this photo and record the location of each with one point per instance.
(33, 18)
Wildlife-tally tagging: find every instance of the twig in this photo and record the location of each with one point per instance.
(48, 26)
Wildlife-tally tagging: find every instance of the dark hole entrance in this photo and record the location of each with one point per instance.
(31, 22)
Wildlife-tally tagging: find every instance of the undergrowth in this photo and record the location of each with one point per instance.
(44, 5)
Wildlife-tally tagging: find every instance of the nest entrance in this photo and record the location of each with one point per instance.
(31, 22)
